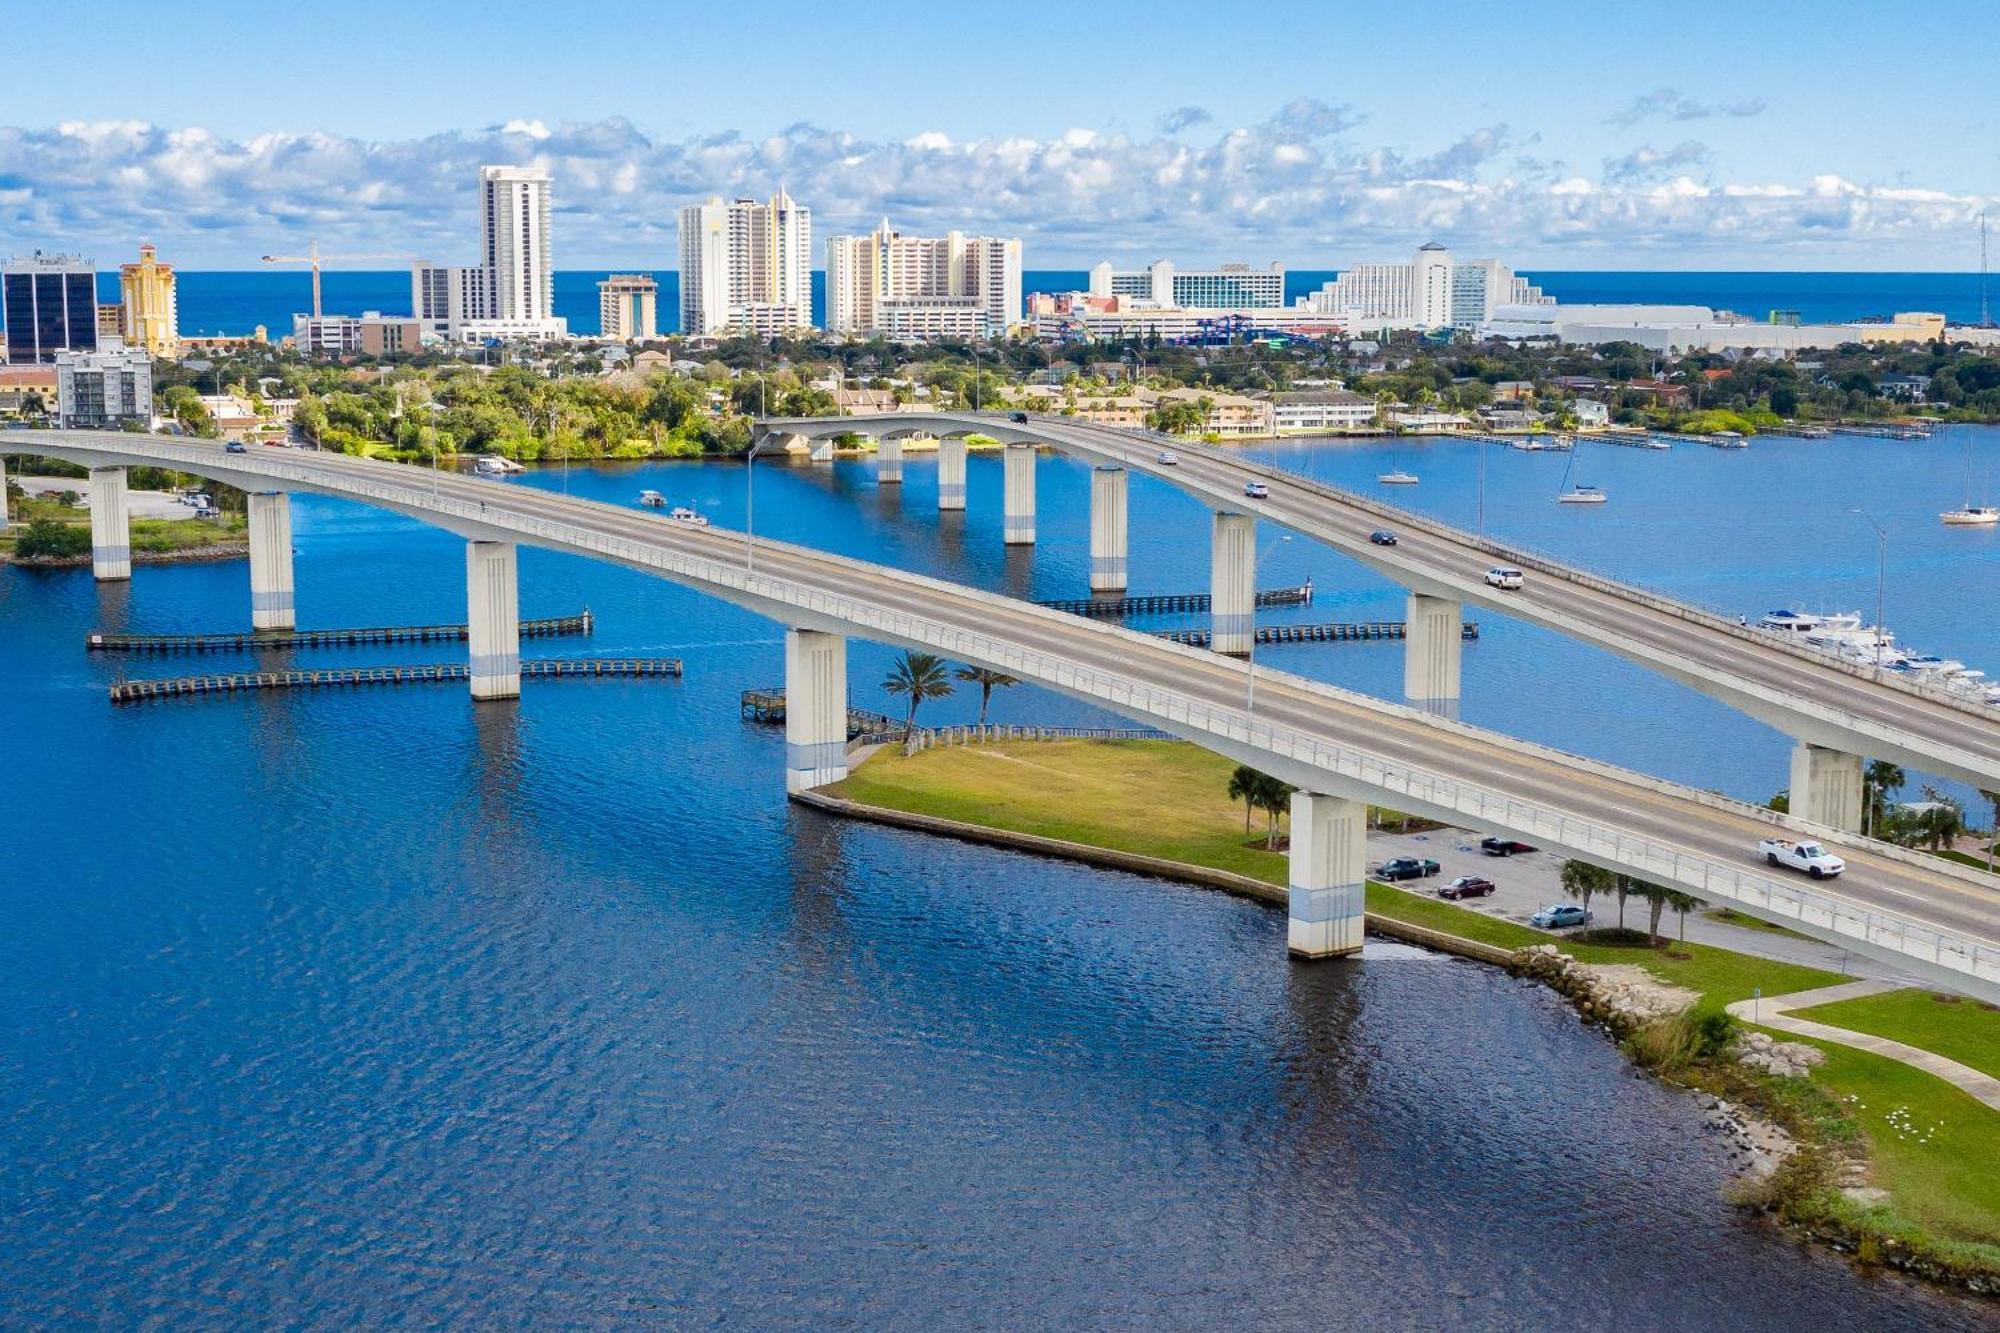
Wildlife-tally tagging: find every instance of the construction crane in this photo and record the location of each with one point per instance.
(315, 258)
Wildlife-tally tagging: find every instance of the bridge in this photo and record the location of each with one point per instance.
(1342, 750)
(1836, 713)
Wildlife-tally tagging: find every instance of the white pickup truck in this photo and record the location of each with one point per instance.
(1810, 857)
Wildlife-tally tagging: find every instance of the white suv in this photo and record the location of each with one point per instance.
(1504, 577)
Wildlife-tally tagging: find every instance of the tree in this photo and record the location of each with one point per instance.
(1581, 880)
(1682, 903)
(1993, 830)
(1274, 797)
(51, 539)
(917, 677)
(987, 681)
(1941, 820)
(1880, 781)
(1243, 787)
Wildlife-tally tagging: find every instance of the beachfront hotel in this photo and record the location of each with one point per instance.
(628, 307)
(510, 293)
(922, 288)
(1432, 291)
(746, 267)
(149, 314)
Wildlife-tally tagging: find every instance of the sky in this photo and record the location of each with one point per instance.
(1840, 134)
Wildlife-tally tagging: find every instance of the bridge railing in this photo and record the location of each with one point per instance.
(1406, 785)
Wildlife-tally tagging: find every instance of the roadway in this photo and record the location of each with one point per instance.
(1196, 694)
(1793, 689)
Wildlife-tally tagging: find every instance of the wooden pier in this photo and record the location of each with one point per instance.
(554, 627)
(1885, 432)
(1167, 603)
(172, 687)
(767, 705)
(1335, 632)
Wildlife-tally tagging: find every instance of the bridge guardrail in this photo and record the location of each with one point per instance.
(1649, 857)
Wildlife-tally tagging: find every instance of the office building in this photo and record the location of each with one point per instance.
(918, 288)
(50, 302)
(148, 304)
(105, 389)
(627, 307)
(368, 334)
(510, 293)
(1231, 287)
(1432, 291)
(746, 267)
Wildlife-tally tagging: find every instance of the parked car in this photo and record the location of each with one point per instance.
(1467, 886)
(1559, 916)
(1382, 537)
(1504, 577)
(1018, 418)
(236, 447)
(1167, 458)
(1256, 490)
(1504, 847)
(1406, 867)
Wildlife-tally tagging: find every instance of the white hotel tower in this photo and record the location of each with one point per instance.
(511, 293)
(746, 267)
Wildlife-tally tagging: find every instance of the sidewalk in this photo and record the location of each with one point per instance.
(1773, 1011)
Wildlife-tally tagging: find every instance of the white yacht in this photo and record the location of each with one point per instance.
(1970, 515)
(682, 514)
(492, 465)
(652, 499)
(1397, 478)
(1578, 495)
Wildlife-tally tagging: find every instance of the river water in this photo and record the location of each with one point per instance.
(354, 1007)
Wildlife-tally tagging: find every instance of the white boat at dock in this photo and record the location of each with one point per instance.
(652, 499)
(1843, 635)
(492, 465)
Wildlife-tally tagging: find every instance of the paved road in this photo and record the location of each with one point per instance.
(1794, 689)
(1205, 691)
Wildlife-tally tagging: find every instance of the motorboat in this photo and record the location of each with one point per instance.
(652, 499)
(682, 514)
(492, 465)
(1398, 478)
(1582, 495)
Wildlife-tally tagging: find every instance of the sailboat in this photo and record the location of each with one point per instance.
(1395, 476)
(1970, 515)
(1578, 495)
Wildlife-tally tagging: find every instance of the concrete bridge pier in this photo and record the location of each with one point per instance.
(271, 604)
(110, 526)
(1827, 786)
(820, 450)
(815, 709)
(951, 473)
(889, 461)
(1432, 653)
(1329, 872)
(1018, 506)
(1232, 587)
(493, 619)
(1107, 529)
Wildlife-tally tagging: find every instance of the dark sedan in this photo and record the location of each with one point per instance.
(1467, 886)
(1382, 537)
(1406, 867)
(1504, 847)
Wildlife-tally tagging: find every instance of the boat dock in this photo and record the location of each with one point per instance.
(137, 691)
(767, 705)
(1171, 602)
(1712, 441)
(1885, 432)
(1793, 430)
(554, 627)
(1334, 632)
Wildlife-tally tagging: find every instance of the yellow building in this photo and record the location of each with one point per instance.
(151, 313)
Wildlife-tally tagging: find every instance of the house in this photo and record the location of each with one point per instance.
(1906, 388)
(1659, 391)
(1509, 414)
(1590, 414)
(1420, 422)
(1321, 411)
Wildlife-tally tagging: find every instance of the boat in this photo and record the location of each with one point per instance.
(1970, 515)
(682, 514)
(1726, 439)
(652, 499)
(1398, 478)
(492, 465)
(1578, 495)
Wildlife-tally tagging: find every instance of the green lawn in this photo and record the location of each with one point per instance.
(1731, 917)
(1963, 858)
(1166, 799)
(1965, 1030)
(149, 535)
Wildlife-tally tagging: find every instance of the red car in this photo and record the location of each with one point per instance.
(1467, 886)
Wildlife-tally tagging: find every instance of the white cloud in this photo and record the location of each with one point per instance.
(1295, 187)
(1671, 104)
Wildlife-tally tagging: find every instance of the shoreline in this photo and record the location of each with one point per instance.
(194, 555)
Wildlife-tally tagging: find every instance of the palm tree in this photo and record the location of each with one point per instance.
(1993, 832)
(1943, 819)
(987, 681)
(1682, 903)
(1881, 780)
(1581, 880)
(1243, 787)
(1275, 797)
(917, 677)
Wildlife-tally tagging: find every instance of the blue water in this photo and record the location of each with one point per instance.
(355, 1007)
(236, 302)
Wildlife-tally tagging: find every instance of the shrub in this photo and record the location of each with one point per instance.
(1714, 1030)
(46, 539)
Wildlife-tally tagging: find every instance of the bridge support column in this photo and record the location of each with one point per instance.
(1827, 786)
(271, 562)
(110, 526)
(815, 709)
(1329, 871)
(1432, 651)
(1019, 501)
(1107, 529)
(889, 461)
(493, 619)
(951, 473)
(1232, 584)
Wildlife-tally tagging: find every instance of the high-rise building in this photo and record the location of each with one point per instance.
(1231, 287)
(915, 288)
(746, 267)
(511, 292)
(1433, 291)
(628, 307)
(51, 306)
(150, 312)
(102, 390)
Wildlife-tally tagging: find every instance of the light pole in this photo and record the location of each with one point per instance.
(1250, 657)
(1881, 578)
(749, 514)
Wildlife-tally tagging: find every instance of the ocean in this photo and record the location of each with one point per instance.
(238, 301)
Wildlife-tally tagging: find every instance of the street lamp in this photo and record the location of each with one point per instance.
(1250, 657)
(749, 514)
(1881, 577)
